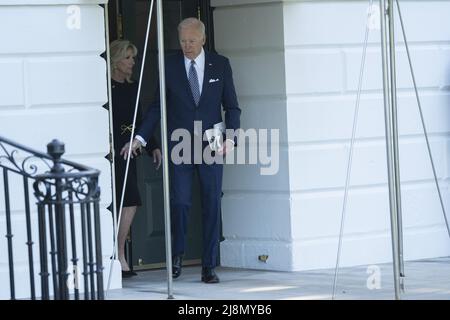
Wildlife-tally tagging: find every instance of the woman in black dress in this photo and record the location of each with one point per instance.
(124, 92)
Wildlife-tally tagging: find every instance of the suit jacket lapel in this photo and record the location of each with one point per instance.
(206, 75)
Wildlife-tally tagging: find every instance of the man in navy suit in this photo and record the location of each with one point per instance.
(198, 85)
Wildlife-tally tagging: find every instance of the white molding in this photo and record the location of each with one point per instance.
(50, 2)
(235, 3)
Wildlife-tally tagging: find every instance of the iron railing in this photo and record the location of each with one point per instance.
(67, 210)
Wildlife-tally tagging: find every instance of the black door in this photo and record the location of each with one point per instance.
(128, 20)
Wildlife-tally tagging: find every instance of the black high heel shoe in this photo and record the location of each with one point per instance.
(128, 274)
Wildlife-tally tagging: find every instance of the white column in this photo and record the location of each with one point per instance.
(256, 208)
(296, 66)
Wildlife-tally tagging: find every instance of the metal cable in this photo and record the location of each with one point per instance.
(422, 119)
(350, 157)
(131, 141)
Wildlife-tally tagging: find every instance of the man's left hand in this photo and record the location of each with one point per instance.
(157, 158)
(227, 147)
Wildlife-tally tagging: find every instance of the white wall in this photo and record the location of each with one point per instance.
(323, 54)
(54, 85)
(256, 209)
(321, 46)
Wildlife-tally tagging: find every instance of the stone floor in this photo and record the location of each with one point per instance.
(425, 279)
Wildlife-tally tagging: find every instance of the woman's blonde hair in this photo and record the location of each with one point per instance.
(118, 50)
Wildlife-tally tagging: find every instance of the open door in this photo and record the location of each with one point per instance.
(128, 20)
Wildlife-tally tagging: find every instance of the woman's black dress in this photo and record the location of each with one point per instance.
(124, 101)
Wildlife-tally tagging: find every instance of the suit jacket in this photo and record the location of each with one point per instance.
(218, 91)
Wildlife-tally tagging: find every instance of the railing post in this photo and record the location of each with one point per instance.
(9, 236)
(56, 149)
(45, 292)
(98, 246)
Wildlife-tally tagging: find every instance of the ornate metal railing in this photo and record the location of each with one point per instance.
(67, 196)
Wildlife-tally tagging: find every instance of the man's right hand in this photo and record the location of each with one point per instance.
(136, 145)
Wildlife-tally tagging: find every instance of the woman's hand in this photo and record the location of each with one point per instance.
(136, 145)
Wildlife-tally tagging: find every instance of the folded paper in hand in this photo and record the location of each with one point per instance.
(214, 136)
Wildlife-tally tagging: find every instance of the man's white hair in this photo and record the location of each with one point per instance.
(192, 23)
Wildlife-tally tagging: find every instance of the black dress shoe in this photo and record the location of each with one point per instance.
(209, 276)
(128, 274)
(177, 262)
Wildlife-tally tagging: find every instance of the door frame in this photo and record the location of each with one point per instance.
(116, 31)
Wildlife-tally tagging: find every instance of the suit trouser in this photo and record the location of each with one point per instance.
(181, 178)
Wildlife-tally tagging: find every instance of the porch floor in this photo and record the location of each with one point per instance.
(425, 279)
